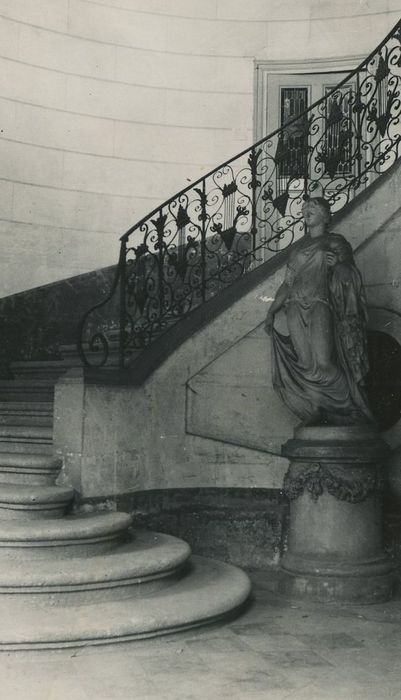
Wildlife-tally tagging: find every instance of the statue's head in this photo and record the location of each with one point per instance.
(316, 210)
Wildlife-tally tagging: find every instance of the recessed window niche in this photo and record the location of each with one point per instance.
(384, 378)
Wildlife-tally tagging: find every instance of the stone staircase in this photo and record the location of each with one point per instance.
(69, 578)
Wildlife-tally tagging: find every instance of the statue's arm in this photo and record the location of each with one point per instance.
(279, 301)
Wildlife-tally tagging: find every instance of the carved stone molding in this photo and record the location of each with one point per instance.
(316, 478)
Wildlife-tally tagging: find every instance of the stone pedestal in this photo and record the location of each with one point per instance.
(335, 549)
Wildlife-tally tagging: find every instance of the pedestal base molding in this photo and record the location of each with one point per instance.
(335, 548)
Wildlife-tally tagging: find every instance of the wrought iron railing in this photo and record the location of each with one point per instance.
(231, 220)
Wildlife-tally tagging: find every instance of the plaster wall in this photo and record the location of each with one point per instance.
(208, 416)
(135, 438)
(108, 107)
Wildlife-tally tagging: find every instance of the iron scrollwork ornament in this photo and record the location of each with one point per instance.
(231, 220)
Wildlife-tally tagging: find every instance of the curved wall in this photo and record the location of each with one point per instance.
(107, 107)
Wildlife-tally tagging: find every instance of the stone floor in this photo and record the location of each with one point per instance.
(277, 650)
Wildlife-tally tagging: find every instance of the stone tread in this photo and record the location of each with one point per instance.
(26, 383)
(26, 407)
(33, 432)
(15, 494)
(26, 419)
(49, 532)
(21, 446)
(209, 592)
(32, 461)
(27, 389)
(147, 554)
(38, 364)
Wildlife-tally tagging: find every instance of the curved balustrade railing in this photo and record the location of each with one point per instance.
(231, 220)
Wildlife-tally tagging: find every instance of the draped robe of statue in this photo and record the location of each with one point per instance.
(320, 367)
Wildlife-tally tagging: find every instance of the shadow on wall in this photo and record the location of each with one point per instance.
(239, 525)
(232, 398)
(384, 378)
(35, 323)
(244, 526)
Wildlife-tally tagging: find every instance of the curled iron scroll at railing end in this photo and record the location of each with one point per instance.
(98, 337)
(92, 344)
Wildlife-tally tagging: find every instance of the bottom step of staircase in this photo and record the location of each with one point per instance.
(210, 591)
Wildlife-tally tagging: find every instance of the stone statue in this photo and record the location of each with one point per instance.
(320, 367)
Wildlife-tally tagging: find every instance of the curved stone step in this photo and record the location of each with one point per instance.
(26, 446)
(209, 592)
(38, 369)
(149, 561)
(26, 433)
(26, 407)
(26, 390)
(28, 468)
(26, 413)
(75, 535)
(32, 502)
(17, 419)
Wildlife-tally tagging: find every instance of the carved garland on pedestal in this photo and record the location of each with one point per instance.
(315, 478)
